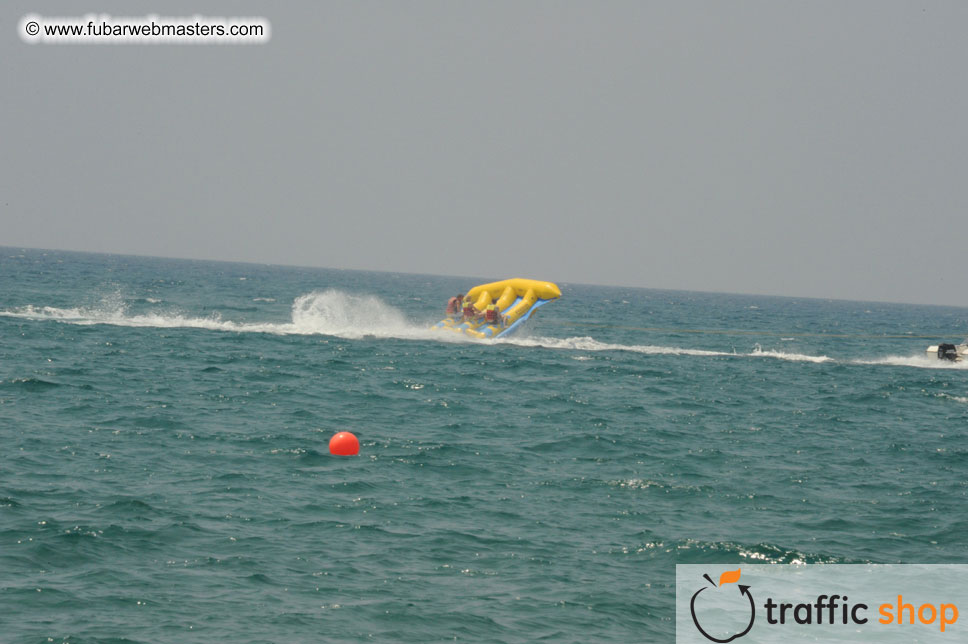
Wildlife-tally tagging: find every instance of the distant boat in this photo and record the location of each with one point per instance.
(952, 352)
(514, 301)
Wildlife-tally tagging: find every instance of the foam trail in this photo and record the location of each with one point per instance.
(118, 317)
(921, 361)
(337, 313)
(350, 316)
(586, 343)
(329, 312)
(786, 355)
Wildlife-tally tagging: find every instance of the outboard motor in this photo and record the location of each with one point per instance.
(947, 352)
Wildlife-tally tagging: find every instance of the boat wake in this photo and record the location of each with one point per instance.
(587, 343)
(345, 315)
(921, 361)
(329, 312)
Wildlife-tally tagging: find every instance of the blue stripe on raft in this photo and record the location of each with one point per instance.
(521, 319)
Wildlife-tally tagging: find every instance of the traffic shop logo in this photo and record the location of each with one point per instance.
(742, 603)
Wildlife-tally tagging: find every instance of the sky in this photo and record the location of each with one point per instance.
(809, 149)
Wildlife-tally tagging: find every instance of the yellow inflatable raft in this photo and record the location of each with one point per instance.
(516, 299)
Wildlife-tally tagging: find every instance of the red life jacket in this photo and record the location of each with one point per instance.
(469, 311)
(453, 305)
(491, 315)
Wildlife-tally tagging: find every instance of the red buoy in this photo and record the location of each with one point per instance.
(344, 444)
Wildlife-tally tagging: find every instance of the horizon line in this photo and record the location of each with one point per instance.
(473, 277)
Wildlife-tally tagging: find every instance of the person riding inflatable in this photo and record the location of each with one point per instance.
(454, 305)
(492, 315)
(470, 312)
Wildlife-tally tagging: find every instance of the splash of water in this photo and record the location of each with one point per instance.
(345, 315)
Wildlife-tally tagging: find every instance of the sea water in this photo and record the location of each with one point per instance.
(165, 475)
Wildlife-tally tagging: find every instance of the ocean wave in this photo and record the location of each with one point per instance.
(959, 399)
(29, 384)
(689, 550)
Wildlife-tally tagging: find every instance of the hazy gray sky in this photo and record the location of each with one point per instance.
(808, 148)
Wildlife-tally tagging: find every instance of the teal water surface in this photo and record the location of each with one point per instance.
(165, 473)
